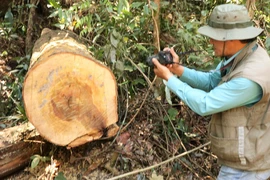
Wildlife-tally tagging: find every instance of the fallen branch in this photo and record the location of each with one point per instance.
(159, 164)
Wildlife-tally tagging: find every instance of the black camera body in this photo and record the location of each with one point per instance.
(164, 58)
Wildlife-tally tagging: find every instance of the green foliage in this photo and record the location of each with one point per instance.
(12, 30)
(173, 119)
(12, 90)
(115, 30)
(118, 31)
(262, 16)
(267, 43)
(36, 159)
(6, 27)
(60, 176)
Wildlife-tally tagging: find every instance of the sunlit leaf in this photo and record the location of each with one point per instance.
(122, 5)
(35, 162)
(154, 176)
(54, 3)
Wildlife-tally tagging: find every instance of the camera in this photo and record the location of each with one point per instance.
(163, 57)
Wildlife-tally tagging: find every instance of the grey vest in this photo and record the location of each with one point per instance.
(240, 137)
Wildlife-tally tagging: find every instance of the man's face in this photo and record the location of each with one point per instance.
(219, 47)
(226, 48)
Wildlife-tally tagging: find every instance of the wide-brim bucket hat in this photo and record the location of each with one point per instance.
(230, 22)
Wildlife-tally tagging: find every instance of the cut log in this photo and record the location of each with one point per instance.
(70, 97)
(17, 145)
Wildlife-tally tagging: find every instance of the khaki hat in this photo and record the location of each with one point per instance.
(230, 22)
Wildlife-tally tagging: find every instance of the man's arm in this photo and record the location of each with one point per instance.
(235, 93)
(201, 80)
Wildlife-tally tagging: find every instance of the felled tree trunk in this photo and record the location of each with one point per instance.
(17, 145)
(69, 97)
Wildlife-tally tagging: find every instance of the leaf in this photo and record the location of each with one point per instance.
(119, 65)
(54, 14)
(60, 176)
(146, 9)
(173, 113)
(9, 18)
(45, 158)
(267, 43)
(136, 4)
(3, 126)
(129, 68)
(141, 47)
(60, 26)
(114, 38)
(164, 3)
(122, 5)
(155, 176)
(35, 156)
(154, 5)
(54, 4)
(138, 81)
(35, 162)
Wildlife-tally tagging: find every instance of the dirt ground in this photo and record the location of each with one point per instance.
(146, 142)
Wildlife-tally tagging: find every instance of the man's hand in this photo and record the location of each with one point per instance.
(161, 70)
(175, 68)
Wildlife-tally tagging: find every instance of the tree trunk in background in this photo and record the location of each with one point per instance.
(251, 6)
(158, 84)
(69, 97)
(4, 7)
(30, 27)
(156, 32)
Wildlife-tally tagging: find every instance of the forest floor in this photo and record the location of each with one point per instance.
(138, 148)
(148, 140)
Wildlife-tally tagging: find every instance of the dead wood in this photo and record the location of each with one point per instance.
(17, 145)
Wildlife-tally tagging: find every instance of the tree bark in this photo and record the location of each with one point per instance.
(17, 145)
(30, 27)
(5, 4)
(156, 20)
(69, 97)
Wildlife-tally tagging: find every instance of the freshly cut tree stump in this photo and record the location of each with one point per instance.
(69, 97)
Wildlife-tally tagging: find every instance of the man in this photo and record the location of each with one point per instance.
(236, 93)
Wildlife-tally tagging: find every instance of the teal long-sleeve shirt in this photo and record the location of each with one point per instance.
(200, 91)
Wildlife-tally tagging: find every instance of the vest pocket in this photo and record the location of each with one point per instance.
(225, 148)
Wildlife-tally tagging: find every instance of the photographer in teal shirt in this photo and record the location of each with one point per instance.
(236, 93)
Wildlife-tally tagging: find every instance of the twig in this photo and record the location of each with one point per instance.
(183, 146)
(159, 164)
(191, 169)
(34, 141)
(139, 69)
(146, 95)
(124, 119)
